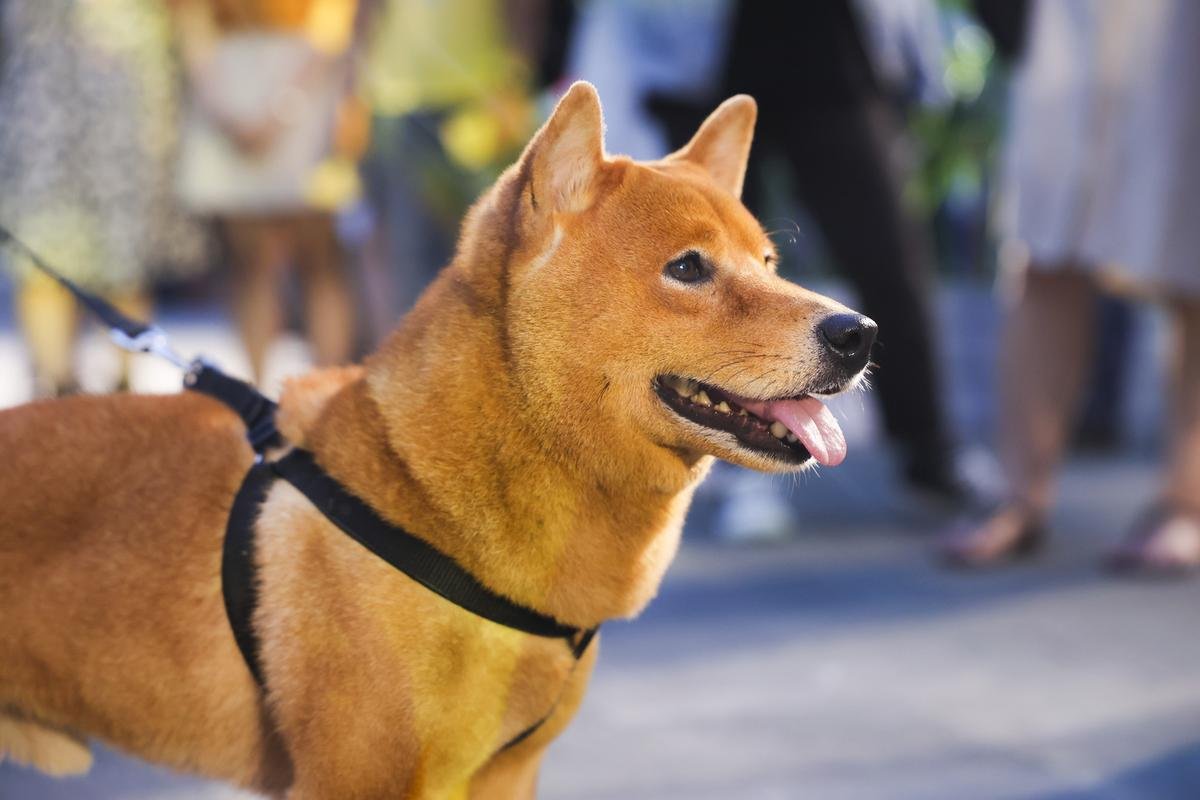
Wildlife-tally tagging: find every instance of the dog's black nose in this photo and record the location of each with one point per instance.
(848, 338)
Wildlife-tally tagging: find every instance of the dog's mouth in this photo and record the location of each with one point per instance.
(792, 429)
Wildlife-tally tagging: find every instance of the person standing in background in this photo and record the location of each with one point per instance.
(822, 110)
(1100, 424)
(269, 150)
(447, 84)
(824, 117)
(1102, 185)
(88, 146)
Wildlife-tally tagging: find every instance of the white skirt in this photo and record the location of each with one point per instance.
(1102, 162)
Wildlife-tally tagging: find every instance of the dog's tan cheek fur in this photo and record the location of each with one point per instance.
(597, 316)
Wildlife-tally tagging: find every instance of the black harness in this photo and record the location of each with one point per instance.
(411, 555)
(408, 553)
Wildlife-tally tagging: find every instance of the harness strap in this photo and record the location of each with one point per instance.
(414, 557)
(411, 555)
(256, 411)
(238, 584)
(578, 650)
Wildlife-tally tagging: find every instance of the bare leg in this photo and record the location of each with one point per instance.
(49, 322)
(1044, 353)
(1044, 357)
(1183, 475)
(259, 253)
(1167, 538)
(329, 308)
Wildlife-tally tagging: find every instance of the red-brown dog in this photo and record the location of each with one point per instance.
(542, 416)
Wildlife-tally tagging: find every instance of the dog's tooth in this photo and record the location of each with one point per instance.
(791, 437)
(702, 398)
(778, 430)
(685, 387)
(723, 407)
(743, 412)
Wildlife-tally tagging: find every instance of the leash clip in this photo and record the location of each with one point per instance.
(152, 339)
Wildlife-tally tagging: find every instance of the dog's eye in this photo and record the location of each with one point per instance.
(688, 268)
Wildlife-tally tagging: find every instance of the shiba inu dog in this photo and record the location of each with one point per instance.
(542, 416)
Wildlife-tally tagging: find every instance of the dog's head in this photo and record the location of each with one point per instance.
(641, 300)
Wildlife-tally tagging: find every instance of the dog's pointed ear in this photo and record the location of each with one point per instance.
(722, 145)
(566, 155)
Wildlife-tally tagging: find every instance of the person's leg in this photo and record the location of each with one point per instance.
(411, 241)
(379, 270)
(259, 255)
(49, 321)
(1183, 475)
(1044, 350)
(328, 304)
(840, 160)
(1167, 537)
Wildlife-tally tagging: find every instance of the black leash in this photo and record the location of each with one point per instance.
(128, 334)
(256, 411)
(408, 553)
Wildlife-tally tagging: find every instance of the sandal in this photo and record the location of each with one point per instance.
(1009, 533)
(1164, 541)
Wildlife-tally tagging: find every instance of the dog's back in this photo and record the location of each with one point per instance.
(96, 580)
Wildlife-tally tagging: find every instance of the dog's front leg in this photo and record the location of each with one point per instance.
(512, 773)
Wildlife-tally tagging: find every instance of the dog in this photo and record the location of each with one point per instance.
(543, 415)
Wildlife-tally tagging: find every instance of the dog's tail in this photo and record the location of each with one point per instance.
(46, 749)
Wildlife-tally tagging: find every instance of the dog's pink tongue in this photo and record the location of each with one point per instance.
(811, 422)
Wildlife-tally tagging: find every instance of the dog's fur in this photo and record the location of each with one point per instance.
(510, 421)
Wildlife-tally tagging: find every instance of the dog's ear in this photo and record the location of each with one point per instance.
(722, 145)
(565, 156)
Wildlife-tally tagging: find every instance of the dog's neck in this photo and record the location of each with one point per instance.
(437, 438)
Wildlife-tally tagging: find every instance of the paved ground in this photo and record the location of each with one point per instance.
(843, 664)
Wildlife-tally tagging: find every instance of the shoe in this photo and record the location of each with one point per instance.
(1163, 542)
(1007, 534)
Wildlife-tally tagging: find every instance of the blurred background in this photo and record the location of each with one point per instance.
(989, 599)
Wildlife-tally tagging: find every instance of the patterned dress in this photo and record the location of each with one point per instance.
(88, 140)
